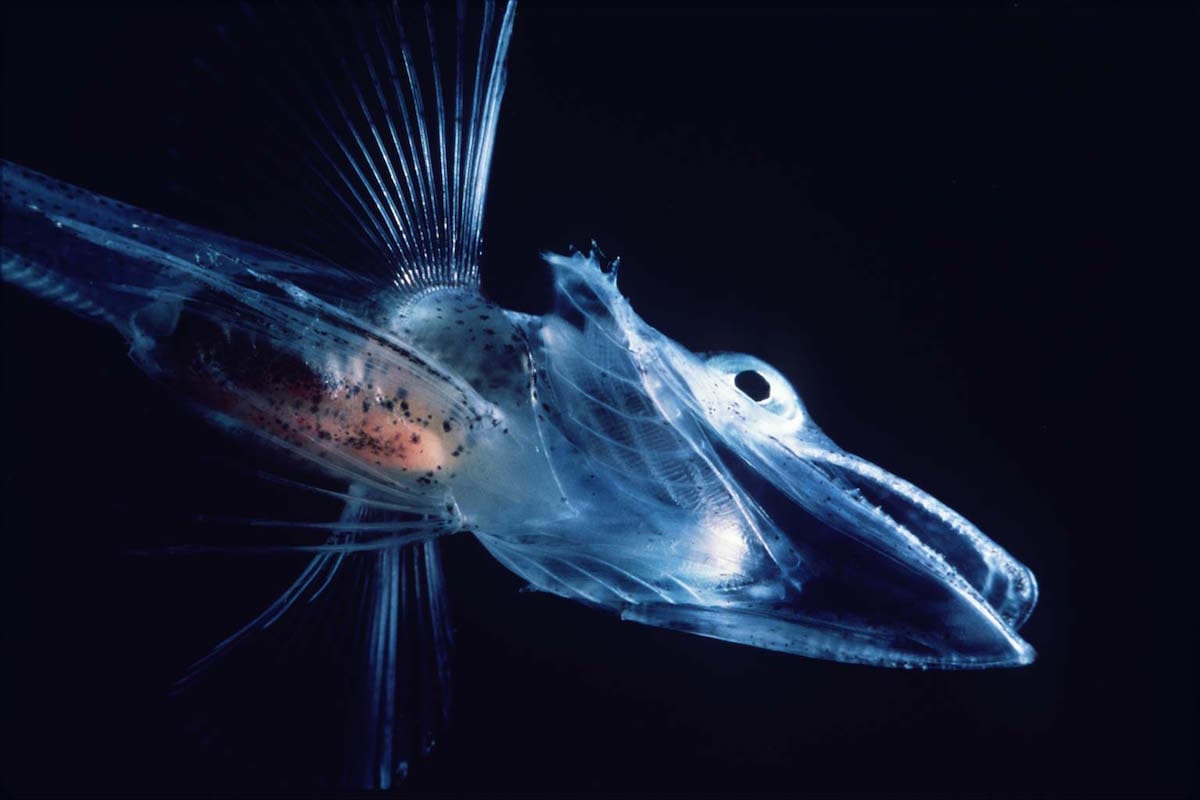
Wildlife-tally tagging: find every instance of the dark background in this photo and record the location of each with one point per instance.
(921, 218)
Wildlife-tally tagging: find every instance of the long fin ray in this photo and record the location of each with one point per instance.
(391, 626)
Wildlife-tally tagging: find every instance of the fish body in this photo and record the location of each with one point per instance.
(588, 452)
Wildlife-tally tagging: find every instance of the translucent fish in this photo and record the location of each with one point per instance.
(588, 452)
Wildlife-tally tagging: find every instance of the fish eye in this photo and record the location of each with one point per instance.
(779, 407)
(752, 384)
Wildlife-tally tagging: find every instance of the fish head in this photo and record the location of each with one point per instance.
(704, 498)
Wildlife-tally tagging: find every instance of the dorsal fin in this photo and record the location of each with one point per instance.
(407, 140)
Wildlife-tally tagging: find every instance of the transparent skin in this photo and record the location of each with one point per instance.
(589, 453)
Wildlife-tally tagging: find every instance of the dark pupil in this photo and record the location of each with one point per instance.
(753, 385)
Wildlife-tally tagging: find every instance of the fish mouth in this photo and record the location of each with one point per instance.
(870, 568)
(1008, 587)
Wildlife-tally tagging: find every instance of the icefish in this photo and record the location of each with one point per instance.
(590, 454)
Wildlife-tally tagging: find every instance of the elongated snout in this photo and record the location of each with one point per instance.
(1006, 585)
(873, 570)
